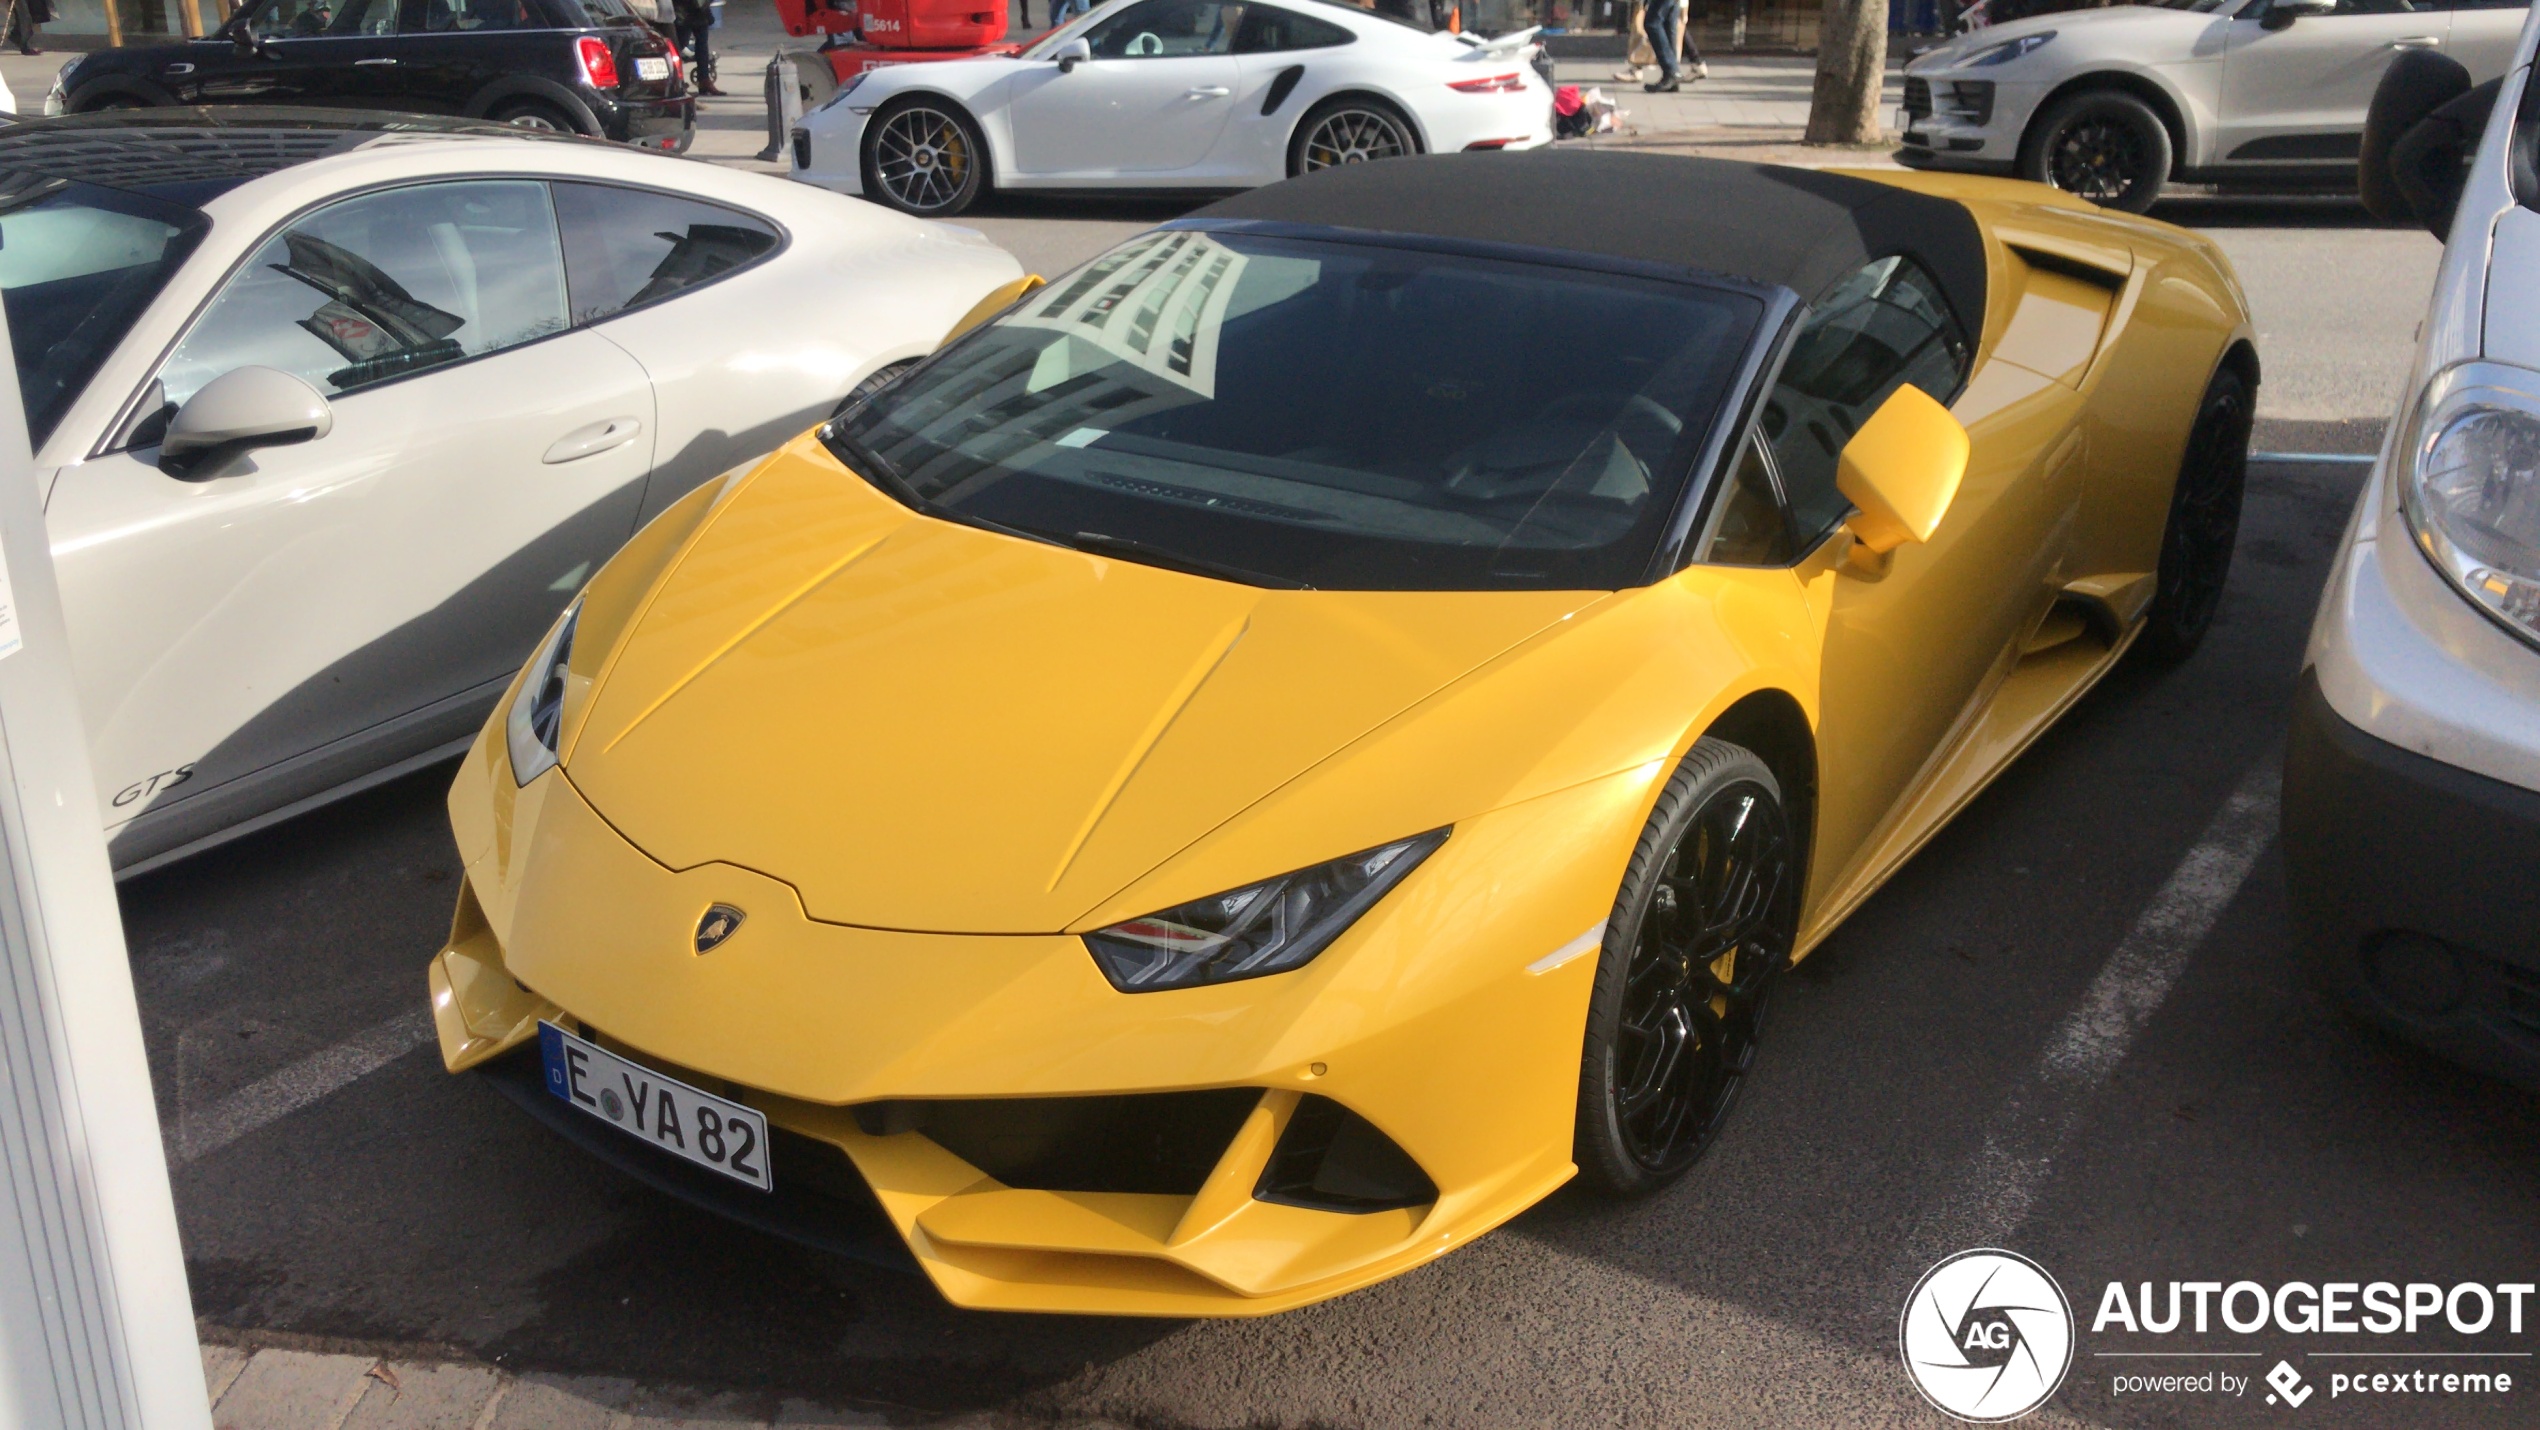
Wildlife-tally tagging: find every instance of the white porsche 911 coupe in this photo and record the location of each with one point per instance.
(1173, 94)
(336, 411)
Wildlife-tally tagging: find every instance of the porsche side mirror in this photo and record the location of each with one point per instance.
(1000, 298)
(2419, 137)
(236, 412)
(2284, 12)
(1901, 470)
(1072, 54)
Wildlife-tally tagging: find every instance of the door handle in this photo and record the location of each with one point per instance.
(592, 440)
(180, 67)
(1208, 91)
(2416, 42)
(358, 63)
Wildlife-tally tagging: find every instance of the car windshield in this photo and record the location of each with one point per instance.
(1343, 416)
(78, 263)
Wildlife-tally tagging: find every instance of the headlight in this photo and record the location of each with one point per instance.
(2009, 50)
(1263, 928)
(2472, 493)
(843, 91)
(538, 710)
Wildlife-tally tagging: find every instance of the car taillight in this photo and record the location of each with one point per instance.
(1497, 84)
(598, 65)
(678, 70)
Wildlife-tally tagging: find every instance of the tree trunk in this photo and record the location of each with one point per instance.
(1851, 68)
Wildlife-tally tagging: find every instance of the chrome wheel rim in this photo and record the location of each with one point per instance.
(1355, 136)
(922, 158)
(539, 122)
(2096, 159)
(1713, 936)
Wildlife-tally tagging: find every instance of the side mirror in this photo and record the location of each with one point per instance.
(2283, 13)
(236, 412)
(1902, 469)
(2419, 137)
(1072, 54)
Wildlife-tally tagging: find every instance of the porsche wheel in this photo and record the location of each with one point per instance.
(924, 157)
(2101, 145)
(1349, 131)
(2204, 522)
(1700, 933)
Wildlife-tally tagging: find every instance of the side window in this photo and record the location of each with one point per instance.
(460, 17)
(1751, 529)
(308, 19)
(625, 248)
(1883, 327)
(1167, 29)
(384, 285)
(1267, 31)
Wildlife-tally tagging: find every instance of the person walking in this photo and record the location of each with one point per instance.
(1637, 55)
(1691, 52)
(1665, 22)
(24, 18)
(695, 30)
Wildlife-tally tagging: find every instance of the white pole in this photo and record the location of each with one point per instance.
(96, 1328)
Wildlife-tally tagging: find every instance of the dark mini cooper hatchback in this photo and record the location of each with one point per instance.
(576, 66)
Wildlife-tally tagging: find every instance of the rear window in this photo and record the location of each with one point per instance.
(1334, 415)
(78, 263)
(624, 248)
(595, 13)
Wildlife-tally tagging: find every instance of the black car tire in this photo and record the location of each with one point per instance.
(923, 155)
(1716, 871)
(1349, 129)
(116, 100)
(2102, 145)
(882, 377)
(536, 114)
(2204, 521)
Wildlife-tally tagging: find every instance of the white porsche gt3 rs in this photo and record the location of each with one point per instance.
(336, 412)
(1173, 94)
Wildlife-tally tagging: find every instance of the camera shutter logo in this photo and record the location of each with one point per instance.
(1986, 1336)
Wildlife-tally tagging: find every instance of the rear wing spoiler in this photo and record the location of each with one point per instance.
(1509, 43)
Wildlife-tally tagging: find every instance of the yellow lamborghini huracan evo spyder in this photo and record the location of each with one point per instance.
(1266, 756)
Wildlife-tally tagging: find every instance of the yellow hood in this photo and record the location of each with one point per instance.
(925, 726)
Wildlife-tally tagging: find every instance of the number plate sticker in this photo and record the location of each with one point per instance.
(649, 68)
(715, 1133)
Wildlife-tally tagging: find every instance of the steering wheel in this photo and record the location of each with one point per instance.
(1145, 43)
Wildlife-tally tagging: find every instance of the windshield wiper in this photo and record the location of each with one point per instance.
(866, 463)
(1154, 555)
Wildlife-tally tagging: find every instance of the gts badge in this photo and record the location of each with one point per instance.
(159, 783)
(716, 924)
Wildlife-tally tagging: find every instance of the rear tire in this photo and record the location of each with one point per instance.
(104, 102)
(1701, 931)
(1349, 129)
(924, 156)
(2102, 145)
(537, 116)
(2204, 522)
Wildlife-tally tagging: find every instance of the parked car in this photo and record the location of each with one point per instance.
(335, 413)
(2412, 780)
(1170, 788)
(573, 66)
(2112, 104)
(1173, 94)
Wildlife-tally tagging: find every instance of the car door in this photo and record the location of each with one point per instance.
(1153, 99)
(2483, 34)
(1908, 648)
(338, 54)
(371, 589)
(2298, 94)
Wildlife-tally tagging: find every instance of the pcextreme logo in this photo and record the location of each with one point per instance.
(1986, 1336)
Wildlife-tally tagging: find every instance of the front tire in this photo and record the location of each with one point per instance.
(924, 157)
(2102, 145)
(1700, 933)
(1351, 129)
(2204, 522)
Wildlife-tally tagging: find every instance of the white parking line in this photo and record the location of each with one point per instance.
(319, 1075)
(1989, 1198)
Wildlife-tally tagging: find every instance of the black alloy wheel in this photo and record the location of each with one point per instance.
(1701, 932)
(2105, 146)
(924, 158)
(1349, 131)
(2204, 522)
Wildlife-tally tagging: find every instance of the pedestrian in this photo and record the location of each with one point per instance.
(24, 18)
(1637, 55)
(1691, 53)
(696, 23)
(1664, 24)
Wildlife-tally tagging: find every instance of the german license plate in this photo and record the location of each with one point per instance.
(715, 1133)
(652, 67)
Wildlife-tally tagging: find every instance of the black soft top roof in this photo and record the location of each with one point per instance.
(192, 156)
(1794, 228)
